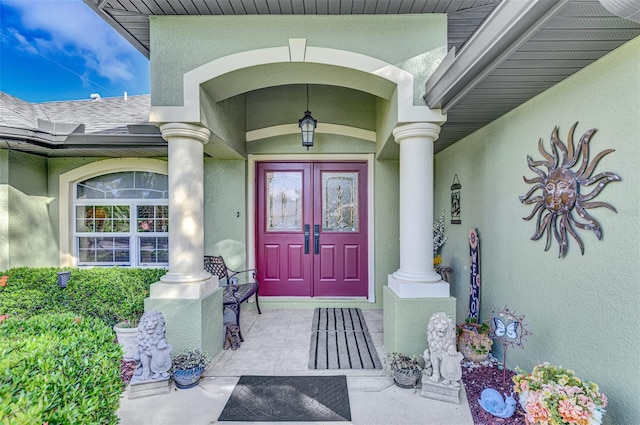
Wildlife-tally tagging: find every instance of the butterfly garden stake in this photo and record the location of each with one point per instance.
(509, 329)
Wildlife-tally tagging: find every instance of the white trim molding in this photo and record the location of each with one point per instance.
(297, 50)
(341, 130)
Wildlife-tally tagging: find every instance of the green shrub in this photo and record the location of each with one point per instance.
(110, 294)
(60, 369)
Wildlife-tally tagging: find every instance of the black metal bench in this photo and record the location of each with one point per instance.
(234, 293)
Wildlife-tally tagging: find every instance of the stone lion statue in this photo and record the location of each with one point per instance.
(441, 334)
(154, 352)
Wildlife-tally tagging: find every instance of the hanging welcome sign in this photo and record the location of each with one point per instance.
(474, 256)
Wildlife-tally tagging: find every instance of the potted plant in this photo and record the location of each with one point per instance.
(554, 395)
(404, 369)
(473, 340)
(127, 334)
(188, 366)
(129, 312)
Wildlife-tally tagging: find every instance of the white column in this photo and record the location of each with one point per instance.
(186, 198)
(416, 277)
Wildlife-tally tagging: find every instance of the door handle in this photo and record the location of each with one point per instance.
(316, 239)
(307, 233)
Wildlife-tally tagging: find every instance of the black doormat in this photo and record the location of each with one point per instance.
(340, 340)
(288, 399)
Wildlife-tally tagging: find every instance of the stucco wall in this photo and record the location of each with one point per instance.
(582, 309)
(415, 43)
(4, 209)
(225, 211)
(30, 229)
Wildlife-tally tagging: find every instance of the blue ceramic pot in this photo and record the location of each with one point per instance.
(187, 378)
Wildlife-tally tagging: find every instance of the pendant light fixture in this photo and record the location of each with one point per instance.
(307, 125)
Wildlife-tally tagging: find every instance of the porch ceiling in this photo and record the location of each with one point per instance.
(553, 40)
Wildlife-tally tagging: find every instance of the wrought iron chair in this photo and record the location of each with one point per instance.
(234, 293)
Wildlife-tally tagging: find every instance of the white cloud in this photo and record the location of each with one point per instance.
(71, 28)
(22, 41)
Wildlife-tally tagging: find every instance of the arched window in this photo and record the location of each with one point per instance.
(122, 219)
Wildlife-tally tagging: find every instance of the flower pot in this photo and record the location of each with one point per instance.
(406, 378)
(187, 378)
(473, 345)
(128, 339)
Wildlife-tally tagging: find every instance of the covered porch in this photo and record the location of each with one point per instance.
(277, 344)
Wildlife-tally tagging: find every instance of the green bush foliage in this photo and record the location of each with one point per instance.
(58, 369)
(111, 294)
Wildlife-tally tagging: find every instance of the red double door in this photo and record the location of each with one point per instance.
(312, 229)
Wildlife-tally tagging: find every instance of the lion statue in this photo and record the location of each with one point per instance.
(441, 335)
(154, 352)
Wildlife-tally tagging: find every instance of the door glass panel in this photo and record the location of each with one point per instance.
(339, 202)
(284, 204)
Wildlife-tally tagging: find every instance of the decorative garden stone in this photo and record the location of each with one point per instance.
(491, 401)
(444, 381)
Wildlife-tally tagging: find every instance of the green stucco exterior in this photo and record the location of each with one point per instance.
(192, 323)
(415, 43)
(225, 211)
(4, 210)
(399, 312)
(263, 93)
(25, 224)
(582, 310)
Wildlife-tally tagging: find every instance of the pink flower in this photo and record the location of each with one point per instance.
(604, 400)
(536, 411)
(572, 413)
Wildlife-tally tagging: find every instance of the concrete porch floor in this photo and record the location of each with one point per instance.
(277, 343)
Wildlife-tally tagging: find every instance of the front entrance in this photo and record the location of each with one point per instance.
(312, 229)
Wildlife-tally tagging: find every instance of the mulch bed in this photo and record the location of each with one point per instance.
(489, 375)
(126, 370)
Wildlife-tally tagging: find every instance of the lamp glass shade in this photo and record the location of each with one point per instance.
(307, 126)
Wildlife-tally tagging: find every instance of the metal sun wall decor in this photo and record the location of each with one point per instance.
(561, 190)
(455, 200)
(509, 329)
(474, 258)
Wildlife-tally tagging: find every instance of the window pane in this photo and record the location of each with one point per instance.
(154, 250)
(284, 204)
(125, 185)
(107, 251)
(102, 218)
(340, 202)
(153, 218)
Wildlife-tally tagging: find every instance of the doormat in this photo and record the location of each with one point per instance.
(288, 399)
(340, 339)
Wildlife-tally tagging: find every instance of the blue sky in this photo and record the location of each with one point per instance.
(61, 50)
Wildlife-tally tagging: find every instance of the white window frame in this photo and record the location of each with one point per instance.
(67, 187)
(133, 234)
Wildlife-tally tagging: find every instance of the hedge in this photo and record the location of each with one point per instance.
(110, 294)
(58, 369)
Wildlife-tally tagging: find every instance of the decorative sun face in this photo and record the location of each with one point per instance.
(561, 190)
